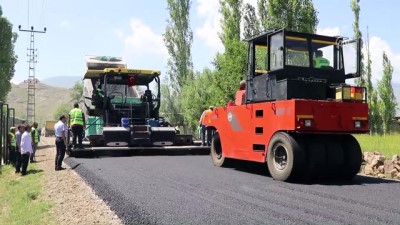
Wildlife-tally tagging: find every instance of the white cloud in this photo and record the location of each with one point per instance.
(143, 40)
(209, 12)
(65, 24)
(142, 43)
(329, 31)
(377, 45)
(208, 32)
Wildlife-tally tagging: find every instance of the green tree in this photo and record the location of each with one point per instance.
(387, 104)
(7, 55)
(295, 15)
(250, 22)
(62, 109)
(375, 118)
(230, 65)
(77, 92)
(196, 97)
(178, 39)
(262, 14)
(171, 106)
(361, 81)
(372, 97)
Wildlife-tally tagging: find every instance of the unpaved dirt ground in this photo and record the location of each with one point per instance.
(73, 201)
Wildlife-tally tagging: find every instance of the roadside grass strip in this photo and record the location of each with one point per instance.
(20, 198)
(388, 145)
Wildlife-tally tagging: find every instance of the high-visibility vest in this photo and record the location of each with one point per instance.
(12, 141)
(100, 92)
(206, 117)
(321, 62)
(36, 133)
(76, 117)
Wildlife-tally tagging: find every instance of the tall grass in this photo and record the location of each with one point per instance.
(20, 201)
(388, 145)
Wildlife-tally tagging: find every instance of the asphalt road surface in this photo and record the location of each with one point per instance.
(188, 189)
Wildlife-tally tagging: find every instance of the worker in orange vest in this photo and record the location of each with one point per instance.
(204, 122)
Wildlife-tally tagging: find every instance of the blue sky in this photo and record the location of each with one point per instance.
(133, 29)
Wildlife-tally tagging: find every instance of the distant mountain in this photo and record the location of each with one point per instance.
(61, 81)
(48, 98)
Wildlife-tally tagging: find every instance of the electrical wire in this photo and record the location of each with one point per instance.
(43, 13)
(28, 13)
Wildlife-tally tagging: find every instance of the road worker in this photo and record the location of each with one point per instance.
(18, 135)
(11, 145)
(76, 121)
(100, 91)
(204, 122)
(26, 149)
(320, 61)
(35, 141)
(60, 131)
(242, 85)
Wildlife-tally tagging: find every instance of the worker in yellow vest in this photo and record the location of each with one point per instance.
(35, 141)
(76, 122)
(11, 145)
(320, 61)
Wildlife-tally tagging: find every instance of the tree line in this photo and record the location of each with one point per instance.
(8, 58)
(186, 93)
(381, 99)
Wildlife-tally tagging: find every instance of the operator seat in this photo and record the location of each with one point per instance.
(147, 99)
(147, 96)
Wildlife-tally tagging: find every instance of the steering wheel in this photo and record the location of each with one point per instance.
(111, 95)
(153, 97)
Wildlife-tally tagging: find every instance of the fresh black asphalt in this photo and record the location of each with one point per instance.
(188, 189)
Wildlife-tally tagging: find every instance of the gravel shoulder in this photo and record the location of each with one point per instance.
(74, 202)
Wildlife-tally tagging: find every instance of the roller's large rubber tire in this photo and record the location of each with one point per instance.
(217, 155)
(334, 159)
(285, 157)
(316, 163)
(352, 157)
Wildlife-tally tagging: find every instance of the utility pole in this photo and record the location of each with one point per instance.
(32, 55)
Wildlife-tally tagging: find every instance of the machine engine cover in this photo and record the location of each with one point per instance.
(315, 89)
(163, 136)
(116, 136)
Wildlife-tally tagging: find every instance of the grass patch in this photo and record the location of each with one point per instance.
(388, 145)
(20, 201)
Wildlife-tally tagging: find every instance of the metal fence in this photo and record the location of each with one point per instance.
(7, 120)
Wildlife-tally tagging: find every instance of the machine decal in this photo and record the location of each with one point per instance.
(234, 121)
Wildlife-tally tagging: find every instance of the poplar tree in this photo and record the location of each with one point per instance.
(387, 104)
(7, 55)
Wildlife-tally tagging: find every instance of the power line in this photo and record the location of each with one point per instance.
(42, 19)
(32, 56)
(28, 14)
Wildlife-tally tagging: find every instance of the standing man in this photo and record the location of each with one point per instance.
(35, 141)
(18, 135)
(204, 121)
(76, 121)
(60, 131)
(11, 145)
(26, 149)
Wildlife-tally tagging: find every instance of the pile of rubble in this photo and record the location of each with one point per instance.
(376, 164)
